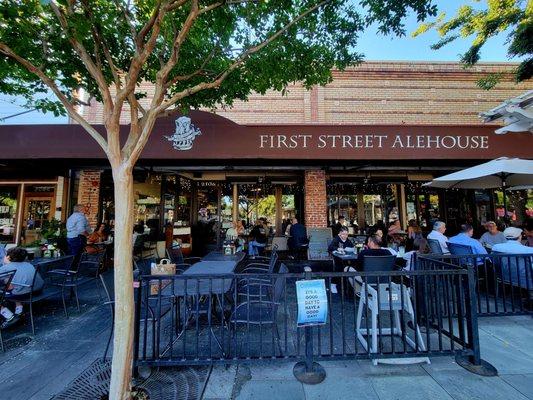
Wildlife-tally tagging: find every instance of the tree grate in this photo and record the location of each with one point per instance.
(185, 383)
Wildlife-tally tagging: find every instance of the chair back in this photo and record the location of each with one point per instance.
(377, 264)
(434, 246)
(279, 242)
(175, 255)
(318, 250)
(279, 284)
(144, 265)
(272, 262)
(89, 264)
(47, 270)
(459, 249)
(5, 281)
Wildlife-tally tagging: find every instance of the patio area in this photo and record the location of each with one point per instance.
(42, 366)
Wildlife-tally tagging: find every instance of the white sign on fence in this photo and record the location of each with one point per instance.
(312, 302)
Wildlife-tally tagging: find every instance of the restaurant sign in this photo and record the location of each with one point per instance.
(373, 141)
(312, 302)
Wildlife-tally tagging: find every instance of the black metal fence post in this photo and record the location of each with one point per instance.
(308, 371)
(473, 362)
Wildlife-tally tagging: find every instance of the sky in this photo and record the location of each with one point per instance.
(373, 45)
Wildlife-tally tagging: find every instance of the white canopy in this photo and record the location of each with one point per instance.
(497, 173)
(516, 113)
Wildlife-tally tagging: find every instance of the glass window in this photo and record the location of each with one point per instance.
(8, 213)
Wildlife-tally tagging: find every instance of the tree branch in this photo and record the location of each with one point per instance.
(6, 50)
(213, 84)
(84, 55)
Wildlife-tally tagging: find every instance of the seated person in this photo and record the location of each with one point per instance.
(437, 234)
(340, 241)
(138, 236)
(419, 246)
(492, 236)
(232, 234)
(98, 236)
(298, 235)
(373, 249)
(465, 238)
(394, 228)
(509, 267)
(14, 260)
(258, 238)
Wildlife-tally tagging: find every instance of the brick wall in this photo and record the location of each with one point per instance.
(89, 194)
(315, 199)
(374, 92)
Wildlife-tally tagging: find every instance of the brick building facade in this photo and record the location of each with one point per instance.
(373, 93)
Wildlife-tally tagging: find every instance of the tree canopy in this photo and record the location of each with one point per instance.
(499, 16)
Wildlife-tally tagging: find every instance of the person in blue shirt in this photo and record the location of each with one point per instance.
(465, 238)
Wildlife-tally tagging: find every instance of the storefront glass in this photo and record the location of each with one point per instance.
(8, 213)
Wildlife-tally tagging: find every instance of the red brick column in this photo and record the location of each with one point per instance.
(315, 199)
(89, 194)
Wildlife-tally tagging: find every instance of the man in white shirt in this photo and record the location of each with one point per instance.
(437, 234)
(77, 230)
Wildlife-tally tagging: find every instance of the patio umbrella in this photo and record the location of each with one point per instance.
(500, 173)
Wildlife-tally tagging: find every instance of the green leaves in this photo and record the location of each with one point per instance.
(513, 16)
(49, 35)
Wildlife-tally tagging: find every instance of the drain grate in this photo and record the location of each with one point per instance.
(185, 383)
(91, 384)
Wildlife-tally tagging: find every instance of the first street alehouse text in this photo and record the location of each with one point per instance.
(373, 141)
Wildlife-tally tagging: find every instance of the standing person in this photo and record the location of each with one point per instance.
(14, 260)
(77, 230)
(492, 236)
(338, 226)
(437, 234)
(258, 238)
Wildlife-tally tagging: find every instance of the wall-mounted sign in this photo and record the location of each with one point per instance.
(312, 302)
(204, 136)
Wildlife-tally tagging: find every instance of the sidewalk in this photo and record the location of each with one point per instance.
(506, 342)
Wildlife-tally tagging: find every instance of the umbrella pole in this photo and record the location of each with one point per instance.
(504, 203)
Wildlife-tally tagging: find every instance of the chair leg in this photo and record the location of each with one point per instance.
(98, 290)
(76, 297)
(31, 319)
(64, 302)
(1, 341)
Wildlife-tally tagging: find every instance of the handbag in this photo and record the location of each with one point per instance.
(165, 267)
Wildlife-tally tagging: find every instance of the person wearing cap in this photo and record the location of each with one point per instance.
(509, 264)
(492, 236)
(512, 245)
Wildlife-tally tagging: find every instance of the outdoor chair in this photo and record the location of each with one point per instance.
(5, 282)
(280, 242)
(88, 271)
(378, 295)
(515, 271)
(434, 247)
(247, 285)
(54, 273)
(261, 310)
(457, 249)
(175, 255)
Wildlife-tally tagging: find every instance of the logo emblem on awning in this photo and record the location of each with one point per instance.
(184, 135)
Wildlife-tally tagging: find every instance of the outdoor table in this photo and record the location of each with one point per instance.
(204, 286)
(46, 260)
(220, 256)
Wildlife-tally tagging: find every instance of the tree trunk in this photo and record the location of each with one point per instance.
(124, 305)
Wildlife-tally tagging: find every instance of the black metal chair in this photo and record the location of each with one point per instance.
(378, 264)
(175, 255)
(434, 247)
(54, 273)
(5, 282)
(458, 249)
(263, 309)
(88, 271)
